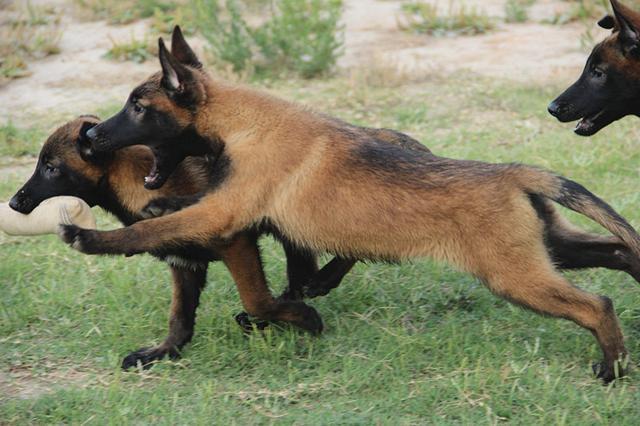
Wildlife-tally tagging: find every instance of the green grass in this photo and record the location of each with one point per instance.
(517, 10)
(458, 18)
(416, 343)
(135, 50)
(125, 11)
(17, 142)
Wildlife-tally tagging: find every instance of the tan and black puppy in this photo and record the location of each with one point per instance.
(331, 186)
(69, 166)
(609, 87)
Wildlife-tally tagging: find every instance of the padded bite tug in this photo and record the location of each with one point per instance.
(46, 218)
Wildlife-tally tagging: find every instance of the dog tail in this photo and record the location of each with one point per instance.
(576, 197)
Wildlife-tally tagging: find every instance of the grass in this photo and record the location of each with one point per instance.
(135, 50)
(126, 11)
(517, 10)
(421, 17)
(27, 32)
(294, 37)
(417, 343)
(17, 142)
(588, 10)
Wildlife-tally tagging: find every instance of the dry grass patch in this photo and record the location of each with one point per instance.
(27, 32)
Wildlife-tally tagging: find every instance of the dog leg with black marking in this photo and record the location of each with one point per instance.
(572, 248)
(187, 286)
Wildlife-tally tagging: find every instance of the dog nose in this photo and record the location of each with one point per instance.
(91, 133)
(554, 108)
(15, 203)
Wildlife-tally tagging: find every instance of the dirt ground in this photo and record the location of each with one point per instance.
(75, 80)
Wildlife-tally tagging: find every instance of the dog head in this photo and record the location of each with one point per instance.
(609, 87)
(160, 113)
(67, 165)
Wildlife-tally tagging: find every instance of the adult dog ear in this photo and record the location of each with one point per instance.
(84, 148)
(181, 50)
(607, 22)
(628, 25)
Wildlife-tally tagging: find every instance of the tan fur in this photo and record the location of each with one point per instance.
(310, 176)
(124, 175)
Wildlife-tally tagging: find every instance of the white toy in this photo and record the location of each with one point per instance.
(46, 218)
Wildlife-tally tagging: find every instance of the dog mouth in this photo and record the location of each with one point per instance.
(591, 124)
(154, 178)
(164, 164)
(157, 175)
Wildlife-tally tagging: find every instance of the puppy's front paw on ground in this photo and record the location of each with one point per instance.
(146, 357)
(608, 373)
(247, 324)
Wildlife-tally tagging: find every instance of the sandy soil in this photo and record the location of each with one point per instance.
(522, 52)
(75, 80)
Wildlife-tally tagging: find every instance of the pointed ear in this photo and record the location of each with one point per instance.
(182, 51)
(83, 145)
(607, 22)
(174, 74)
(627, 21)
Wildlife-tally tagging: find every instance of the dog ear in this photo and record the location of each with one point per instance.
(627, 21)
(84, 148)
(174, 73)
(607, 22)
(181, 50)
(178, 80)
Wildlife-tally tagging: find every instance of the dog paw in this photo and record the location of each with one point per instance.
(607, 373)
(248, 325)
(80, 239)
(146, 357)
(309, 319)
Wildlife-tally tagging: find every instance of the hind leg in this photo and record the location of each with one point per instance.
(242, 258)
(187, 286)
(301, 266)
(305, 280)
(573, 248)
(592, 251)
(534, 284)
(329, 277)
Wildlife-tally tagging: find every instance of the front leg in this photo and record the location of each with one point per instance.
(187, 286)
(215, 216)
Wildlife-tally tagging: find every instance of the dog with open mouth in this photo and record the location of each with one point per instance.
(331, 186)
(68, 165)
(609, 86)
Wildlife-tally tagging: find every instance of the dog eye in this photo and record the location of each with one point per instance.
(137, 107)
(50, 169)
(597, 73)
